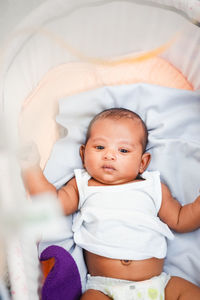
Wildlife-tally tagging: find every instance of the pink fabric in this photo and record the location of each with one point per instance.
(37, 119)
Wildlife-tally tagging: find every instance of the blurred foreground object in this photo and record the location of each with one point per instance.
(23, 222)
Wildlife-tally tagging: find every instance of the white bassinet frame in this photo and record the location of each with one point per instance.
(48, 36)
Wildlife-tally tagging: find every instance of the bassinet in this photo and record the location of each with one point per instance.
(66, 47)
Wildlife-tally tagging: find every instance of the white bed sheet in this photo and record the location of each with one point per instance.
(172, 118)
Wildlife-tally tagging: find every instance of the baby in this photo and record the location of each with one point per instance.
(122, 212)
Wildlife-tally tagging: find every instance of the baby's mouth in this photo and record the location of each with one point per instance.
(108, 168)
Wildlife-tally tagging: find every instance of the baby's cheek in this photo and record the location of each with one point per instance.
(90, 162)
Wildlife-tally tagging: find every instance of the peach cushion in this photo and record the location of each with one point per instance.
(37, 118)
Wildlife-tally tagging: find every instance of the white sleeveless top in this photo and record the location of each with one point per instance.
(121, 221)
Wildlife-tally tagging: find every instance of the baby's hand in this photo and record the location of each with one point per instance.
(29, 155)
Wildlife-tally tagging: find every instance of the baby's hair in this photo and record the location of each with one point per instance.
(118, 113)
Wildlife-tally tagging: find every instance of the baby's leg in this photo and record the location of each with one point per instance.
(181, 289)
(93, 294)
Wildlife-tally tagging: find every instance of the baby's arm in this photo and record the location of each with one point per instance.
(180, 218)
(36, 183)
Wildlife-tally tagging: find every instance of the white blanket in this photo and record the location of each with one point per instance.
(173, 121)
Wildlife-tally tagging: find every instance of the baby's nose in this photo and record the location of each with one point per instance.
(110, 155)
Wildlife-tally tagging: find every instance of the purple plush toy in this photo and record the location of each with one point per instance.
(63, 282)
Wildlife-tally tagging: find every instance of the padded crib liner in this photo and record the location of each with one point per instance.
(72, 78)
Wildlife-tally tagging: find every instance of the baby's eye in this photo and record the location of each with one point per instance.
(123, 150)
(99, 147)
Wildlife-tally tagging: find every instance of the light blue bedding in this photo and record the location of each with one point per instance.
(173, 121)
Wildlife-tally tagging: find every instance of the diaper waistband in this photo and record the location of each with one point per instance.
(162, 279)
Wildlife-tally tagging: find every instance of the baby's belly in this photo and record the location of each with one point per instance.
(134, 270)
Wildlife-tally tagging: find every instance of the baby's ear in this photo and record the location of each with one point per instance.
(82, 153)
(146, 157)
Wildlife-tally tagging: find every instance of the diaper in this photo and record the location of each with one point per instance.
(117, 289)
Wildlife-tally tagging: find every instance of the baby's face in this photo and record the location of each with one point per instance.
(114, 152)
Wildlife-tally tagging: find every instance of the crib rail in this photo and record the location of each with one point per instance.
(23, 222)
